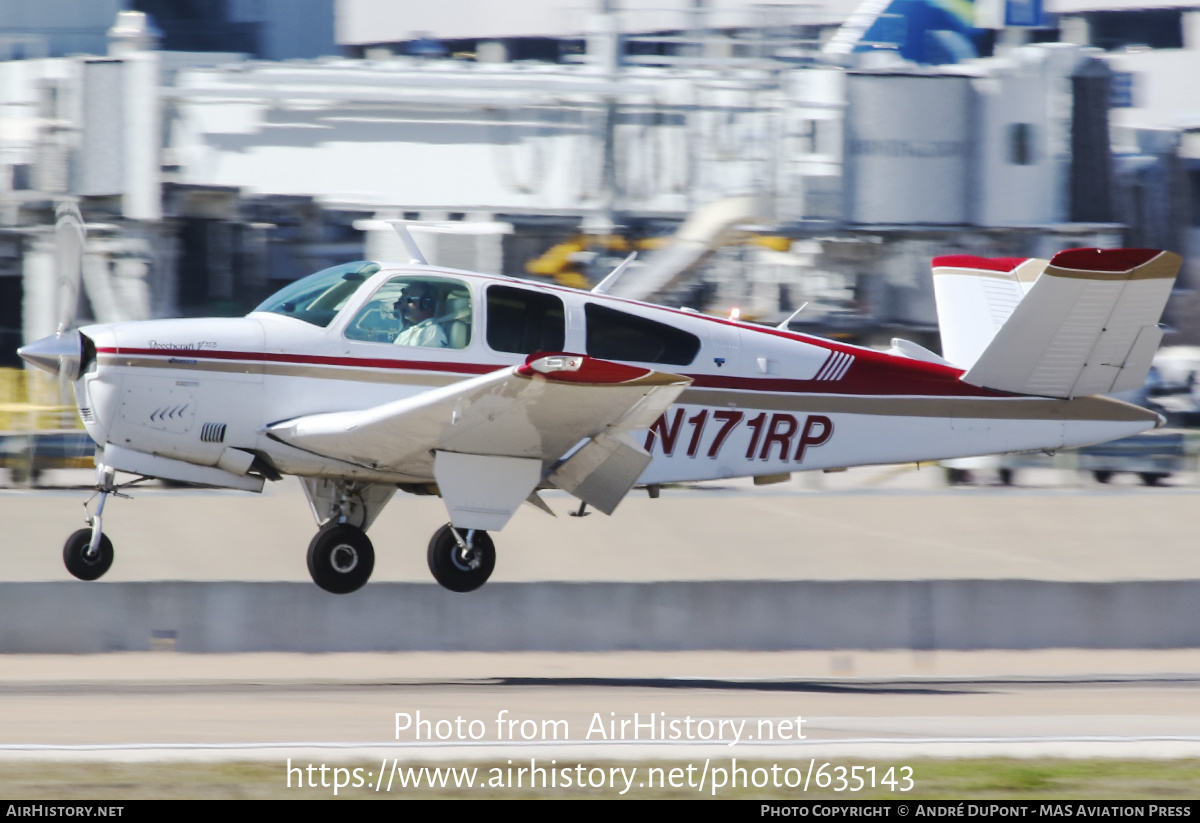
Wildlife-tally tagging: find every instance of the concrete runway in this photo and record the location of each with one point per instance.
(340, 708)
(886, 523)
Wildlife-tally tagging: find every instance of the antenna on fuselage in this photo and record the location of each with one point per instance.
(608, 282)
(784, 325)
(414, 251)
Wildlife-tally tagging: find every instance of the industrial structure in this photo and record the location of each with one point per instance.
(817, 163)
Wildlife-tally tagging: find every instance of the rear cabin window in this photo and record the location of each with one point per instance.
(615, 335)
(523, 321)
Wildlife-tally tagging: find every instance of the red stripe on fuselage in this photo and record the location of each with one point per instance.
(872, 373)
(306, 359)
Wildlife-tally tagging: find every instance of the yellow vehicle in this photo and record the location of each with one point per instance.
(37, 435)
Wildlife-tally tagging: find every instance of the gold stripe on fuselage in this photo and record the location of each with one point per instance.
(967, 408)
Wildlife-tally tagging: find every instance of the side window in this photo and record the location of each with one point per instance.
(433, 312)
(523, 321)
(615, 335)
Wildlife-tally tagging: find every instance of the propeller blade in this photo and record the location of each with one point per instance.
(70, 238)
(69, 241)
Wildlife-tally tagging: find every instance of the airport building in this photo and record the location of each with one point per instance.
(756, 156)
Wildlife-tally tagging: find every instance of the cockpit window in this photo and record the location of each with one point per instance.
(416, 310)
(615, 335)
(319, 297)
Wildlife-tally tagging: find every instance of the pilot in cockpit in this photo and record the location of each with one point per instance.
(416, 306)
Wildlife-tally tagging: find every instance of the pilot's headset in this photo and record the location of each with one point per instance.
(422, 295)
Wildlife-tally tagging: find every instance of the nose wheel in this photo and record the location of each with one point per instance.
(461, 559)
(341, 558)
(82, 561)
(88, 553)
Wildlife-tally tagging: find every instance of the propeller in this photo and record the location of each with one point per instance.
(62, 353)
(70, 237)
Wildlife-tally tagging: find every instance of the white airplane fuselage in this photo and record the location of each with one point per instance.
(366, 378)
(761, 401)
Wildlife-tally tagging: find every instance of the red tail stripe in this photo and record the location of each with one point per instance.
(967, 261)
(1103, 259)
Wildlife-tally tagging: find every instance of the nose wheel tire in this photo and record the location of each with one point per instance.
(76, 558)
(341, 558)
(457, 569)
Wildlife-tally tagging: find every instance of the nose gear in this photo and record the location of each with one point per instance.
(88, 553)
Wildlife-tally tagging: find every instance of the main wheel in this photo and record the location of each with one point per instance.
(959, 477)
(457, 569)
(76, 559)
(341, 558)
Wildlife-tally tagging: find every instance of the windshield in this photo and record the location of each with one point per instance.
(319, 297)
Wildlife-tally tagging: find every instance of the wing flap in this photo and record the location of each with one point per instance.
(483, 491)
(1085, 326)
(602, 471)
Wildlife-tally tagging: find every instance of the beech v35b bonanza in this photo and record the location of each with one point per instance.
(368, 377)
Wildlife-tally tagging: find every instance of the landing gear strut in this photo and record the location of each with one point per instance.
(88, 553)
(461, 559)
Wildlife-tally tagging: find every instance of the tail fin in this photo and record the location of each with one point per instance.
(1088, 324)
(975, 296)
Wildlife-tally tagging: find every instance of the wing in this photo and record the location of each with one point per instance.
(490, 440)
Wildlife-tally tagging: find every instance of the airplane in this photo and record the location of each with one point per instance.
(367, 378)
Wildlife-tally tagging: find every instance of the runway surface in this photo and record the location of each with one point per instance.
(887, 523)
(165, 706)
(883, 523)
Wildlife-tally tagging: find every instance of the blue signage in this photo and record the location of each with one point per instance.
(1024, 13)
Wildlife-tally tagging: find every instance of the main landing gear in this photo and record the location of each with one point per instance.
(341, 558)
(461, 559)
(340, 555)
